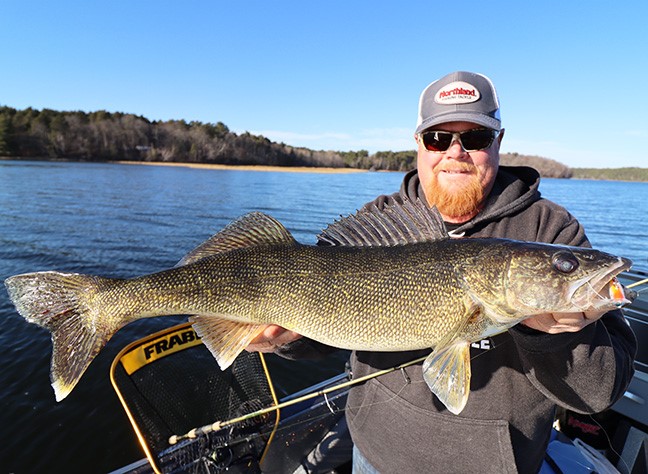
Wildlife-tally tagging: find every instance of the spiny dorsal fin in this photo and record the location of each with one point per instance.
(395, 224)
(252, 229)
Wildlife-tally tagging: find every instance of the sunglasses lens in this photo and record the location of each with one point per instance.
(471, 140)
(436, 141)
(474, 140)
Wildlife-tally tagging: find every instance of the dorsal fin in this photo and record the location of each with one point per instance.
(252, 229)
(396, 224)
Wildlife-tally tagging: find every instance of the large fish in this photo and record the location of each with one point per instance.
(393, 281)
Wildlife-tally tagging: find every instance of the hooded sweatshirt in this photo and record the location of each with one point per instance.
(518, 377)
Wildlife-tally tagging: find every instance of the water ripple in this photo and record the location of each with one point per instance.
(123, 221)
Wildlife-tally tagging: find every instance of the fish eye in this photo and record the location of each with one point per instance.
(565, 262)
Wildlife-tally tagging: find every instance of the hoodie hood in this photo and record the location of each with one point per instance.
(515, 188)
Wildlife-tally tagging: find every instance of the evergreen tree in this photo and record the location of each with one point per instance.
(4, 136)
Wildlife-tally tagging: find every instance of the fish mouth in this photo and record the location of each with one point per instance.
(602, 290)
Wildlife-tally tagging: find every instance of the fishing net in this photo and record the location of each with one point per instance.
(169, 383)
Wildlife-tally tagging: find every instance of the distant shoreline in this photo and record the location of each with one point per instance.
(284, 169)
(214, 166)
(628, 174)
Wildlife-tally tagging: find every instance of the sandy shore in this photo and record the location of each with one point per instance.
(284, 169)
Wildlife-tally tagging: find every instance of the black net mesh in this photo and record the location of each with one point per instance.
(186, 389)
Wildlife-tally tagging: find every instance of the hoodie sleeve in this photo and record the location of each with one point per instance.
(305, 348)
(586, 371)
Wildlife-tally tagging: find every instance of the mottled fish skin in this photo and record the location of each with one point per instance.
(418, 290)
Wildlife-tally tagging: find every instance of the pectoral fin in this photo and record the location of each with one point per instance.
(224, 338)
(447, 373)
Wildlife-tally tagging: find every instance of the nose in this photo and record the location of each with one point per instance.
(456, 149)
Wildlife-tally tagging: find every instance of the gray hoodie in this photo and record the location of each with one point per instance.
(518, 377)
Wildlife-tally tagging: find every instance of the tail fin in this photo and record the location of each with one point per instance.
(63, 304)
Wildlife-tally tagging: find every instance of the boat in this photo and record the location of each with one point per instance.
(191, 417)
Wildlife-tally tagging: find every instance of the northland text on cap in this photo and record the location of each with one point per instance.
(459, 97)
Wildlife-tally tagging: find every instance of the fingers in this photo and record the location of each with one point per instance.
(556, 323)
(547, 323)
(273, 336)
(594, 315)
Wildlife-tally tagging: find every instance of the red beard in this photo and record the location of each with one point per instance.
(458, 201)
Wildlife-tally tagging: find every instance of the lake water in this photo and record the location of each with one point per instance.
(126, 220)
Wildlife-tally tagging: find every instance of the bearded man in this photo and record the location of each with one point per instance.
(581, 361)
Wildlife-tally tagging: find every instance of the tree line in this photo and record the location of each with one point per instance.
(612, 174)
(106, 136)
(546, 167)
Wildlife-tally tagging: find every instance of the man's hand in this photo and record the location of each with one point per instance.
(555, 323)
(272, 337)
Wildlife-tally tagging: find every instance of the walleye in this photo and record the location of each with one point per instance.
(392, 281)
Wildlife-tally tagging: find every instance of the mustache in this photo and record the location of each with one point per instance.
(456, 167)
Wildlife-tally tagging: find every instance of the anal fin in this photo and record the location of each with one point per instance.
(447, 373)
(224, 338)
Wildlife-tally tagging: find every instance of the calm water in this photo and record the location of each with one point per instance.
(122, 221)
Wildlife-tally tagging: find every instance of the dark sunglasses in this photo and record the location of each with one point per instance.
(470, 140)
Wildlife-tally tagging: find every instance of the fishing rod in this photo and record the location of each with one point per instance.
(638, 283)
(203, 430)
(194, 433)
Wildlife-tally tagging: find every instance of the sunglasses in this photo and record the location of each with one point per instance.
(470, 140)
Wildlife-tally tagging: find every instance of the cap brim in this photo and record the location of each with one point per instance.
(479, 119)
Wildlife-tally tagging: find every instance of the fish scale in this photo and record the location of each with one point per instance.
(285, 290)
(389, 280)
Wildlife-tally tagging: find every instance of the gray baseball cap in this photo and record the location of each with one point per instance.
(459, 97)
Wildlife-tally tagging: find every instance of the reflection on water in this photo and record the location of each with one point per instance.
(123, 221)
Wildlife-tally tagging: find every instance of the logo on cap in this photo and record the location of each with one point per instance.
(457, 93)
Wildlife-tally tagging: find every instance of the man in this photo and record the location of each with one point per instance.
(581, 361)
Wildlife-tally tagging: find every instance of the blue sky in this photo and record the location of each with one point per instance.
(345, 75)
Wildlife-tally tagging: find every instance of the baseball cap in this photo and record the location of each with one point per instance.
(459, 97)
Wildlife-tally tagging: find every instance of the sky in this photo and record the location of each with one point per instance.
(572, 77)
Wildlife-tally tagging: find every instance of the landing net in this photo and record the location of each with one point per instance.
(170, 383)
